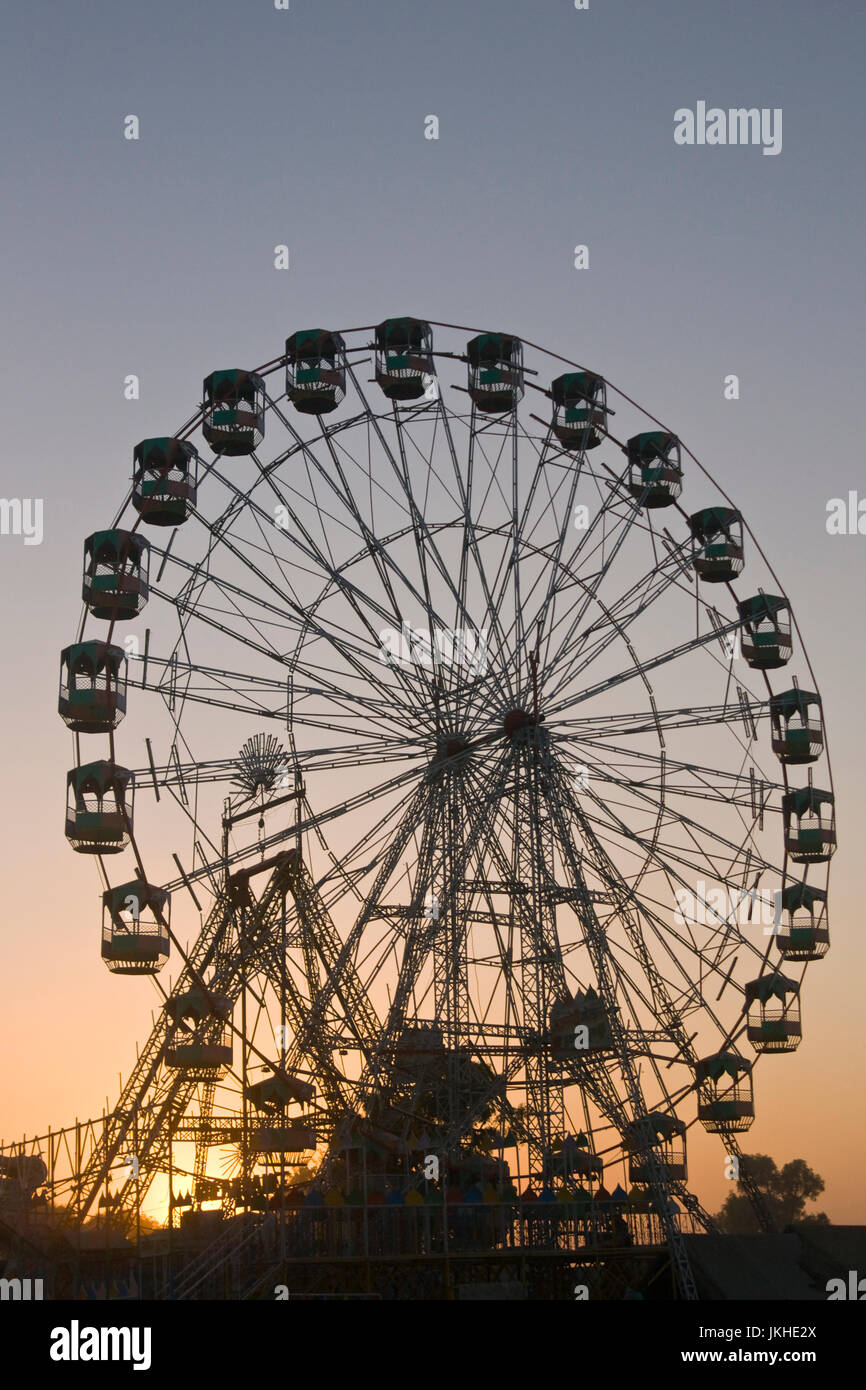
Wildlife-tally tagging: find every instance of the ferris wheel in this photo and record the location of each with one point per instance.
(451, 752)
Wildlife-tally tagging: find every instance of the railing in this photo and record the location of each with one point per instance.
(241, 1234)
(256, 1251)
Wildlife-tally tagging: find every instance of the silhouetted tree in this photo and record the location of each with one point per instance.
(786, 1191)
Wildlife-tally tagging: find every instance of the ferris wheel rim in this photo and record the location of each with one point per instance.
(500, 532)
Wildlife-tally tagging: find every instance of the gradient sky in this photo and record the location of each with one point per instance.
(306, 127)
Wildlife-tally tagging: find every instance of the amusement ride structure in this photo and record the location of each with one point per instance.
(485, 858)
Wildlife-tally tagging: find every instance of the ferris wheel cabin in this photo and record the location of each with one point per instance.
(495, 372)
(115, 584)
(797, 726)
(765, 639)
(809, 818)
(315, 370)
(579, 1025)
(579, 409)
(282, 1139)
(804, 931)
(773, 1019)
(572, 1157)
(234, 411)
(99, 800)
(655, 471)
(665, 1135)
(196, 1032)
(277, 1135)
(404, 357)
(92, 687)
(717, 533)
(164, 480)
(416, 1045)
(273, 1094)
(135, 922)
(725, 1098)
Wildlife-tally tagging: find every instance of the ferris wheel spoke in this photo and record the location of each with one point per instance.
(405, 780)
(619, 615)
(616, 630)
(717, 857)
(515, 551)
(508, 573)
(314, 673)
(310, 552)
(418, 521)
(329, 435)
(381, 558)
(679, 945)
(624, 526)
(307, 683)
(587, 728)
(628, 901)
(323, 759)
(357, 600)
(207, 697)
(568, 481)
(235, 596)
(652, 586)
(479, 434)
(421, 541)
(524, 538)
(695, 831)
(716, 793)
(641, 667)
(424, 542)
(709, 784)
(470, 547)
(664, 722)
